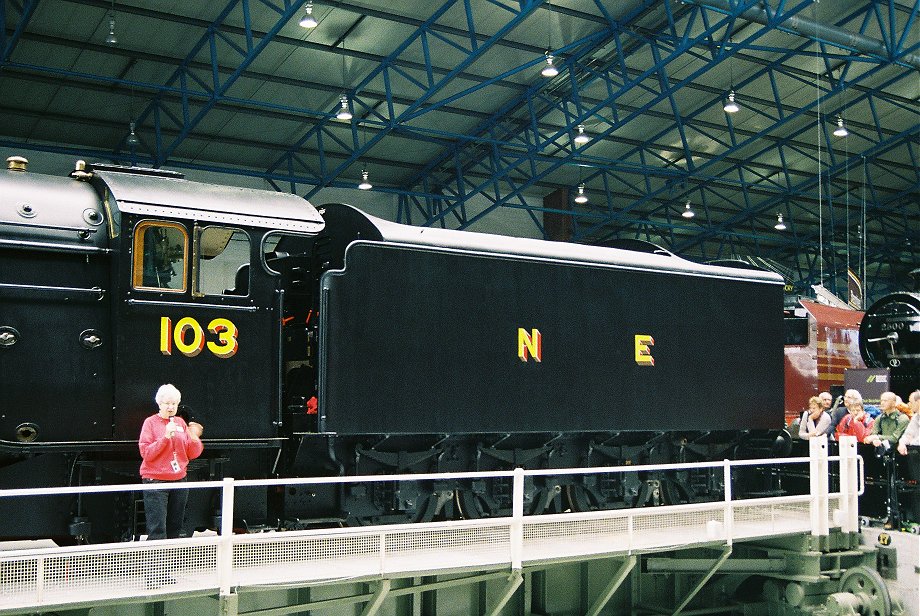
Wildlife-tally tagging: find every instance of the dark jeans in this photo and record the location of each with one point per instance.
(164, 510)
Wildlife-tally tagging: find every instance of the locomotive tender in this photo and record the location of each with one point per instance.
(426, 349)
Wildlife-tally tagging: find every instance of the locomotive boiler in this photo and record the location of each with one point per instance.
(322, 341)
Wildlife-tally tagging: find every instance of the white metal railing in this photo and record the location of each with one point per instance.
(54, 576)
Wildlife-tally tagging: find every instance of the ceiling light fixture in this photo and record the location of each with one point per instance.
(132, 139)
(549, 70)
(780, 225)
(730, 105)
(365, 184)
(581, 197)
(308, 21)
(111, 39)
(344, 113)
(841, 130)
(582, 137)
(688, 213)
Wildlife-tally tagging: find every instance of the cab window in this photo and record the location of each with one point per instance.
(223, 261)
(160, 256)
(795, 330)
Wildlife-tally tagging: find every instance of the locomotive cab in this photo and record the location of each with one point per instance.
(201, 297)
(138, 277)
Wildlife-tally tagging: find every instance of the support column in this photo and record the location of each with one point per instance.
(513, 582)
(849, 485)
(373, 606)
(615, 582)
(818, 468)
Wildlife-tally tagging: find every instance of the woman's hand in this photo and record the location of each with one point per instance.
(195, 430)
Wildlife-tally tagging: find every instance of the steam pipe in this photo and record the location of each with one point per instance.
(811, 29)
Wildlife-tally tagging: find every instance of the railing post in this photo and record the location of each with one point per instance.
(225, 543)
(729, 511)
(383, 552)
(40, 581)
(818, 469)
(630, 529)
(849, 488)
(517, 520)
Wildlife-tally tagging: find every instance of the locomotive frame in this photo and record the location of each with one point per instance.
(119, 279)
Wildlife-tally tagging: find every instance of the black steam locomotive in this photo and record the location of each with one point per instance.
(323, 342)
(889, 337)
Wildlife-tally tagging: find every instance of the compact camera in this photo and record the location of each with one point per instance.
(882, 449)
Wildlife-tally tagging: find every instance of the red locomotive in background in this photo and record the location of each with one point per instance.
(821, 343)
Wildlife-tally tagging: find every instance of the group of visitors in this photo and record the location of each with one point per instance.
(891, 424)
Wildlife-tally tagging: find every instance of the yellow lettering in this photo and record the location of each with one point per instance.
(195, 346)
(165, 338)
(227, 344)
(189, 337)
(643, 352)
(532, 343)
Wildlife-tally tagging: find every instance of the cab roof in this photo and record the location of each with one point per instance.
(141, 192)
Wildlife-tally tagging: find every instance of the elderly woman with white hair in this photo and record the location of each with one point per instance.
(167, 444)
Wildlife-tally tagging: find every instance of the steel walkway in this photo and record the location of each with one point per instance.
(223, 563)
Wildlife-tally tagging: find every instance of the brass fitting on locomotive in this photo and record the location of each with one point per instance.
(79, 172)
(17, 163)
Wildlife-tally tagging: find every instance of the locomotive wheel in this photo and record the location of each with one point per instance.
(439, 504)
(427, 512)
(869, 587)
(547, 500)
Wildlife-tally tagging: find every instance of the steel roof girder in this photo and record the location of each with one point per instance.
(8, 43)
(828, 35)
(891, 142)
(874, 212)
(780, 122)
(514, 104)
(791, 116)
(639, 79)
(727, 232)
(189, 123)
(662, 73)
(387, 64)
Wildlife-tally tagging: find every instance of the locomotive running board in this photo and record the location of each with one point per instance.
(84, 446)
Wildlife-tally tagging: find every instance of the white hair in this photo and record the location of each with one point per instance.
(168, 391)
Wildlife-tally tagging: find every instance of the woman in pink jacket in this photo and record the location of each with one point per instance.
(167, 444)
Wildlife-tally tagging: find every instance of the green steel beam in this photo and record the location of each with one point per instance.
(726, 552)
(612, 586)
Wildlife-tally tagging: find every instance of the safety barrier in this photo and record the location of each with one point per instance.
(84, 575)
